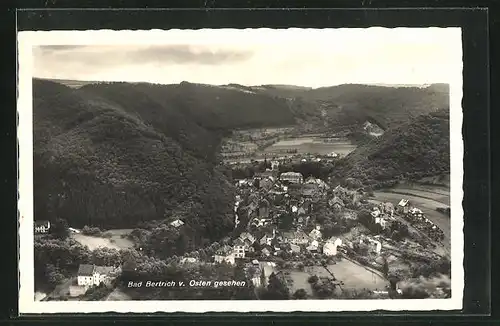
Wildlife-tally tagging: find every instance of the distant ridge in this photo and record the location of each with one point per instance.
(79, 83)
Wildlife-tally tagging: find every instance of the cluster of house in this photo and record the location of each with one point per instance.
(422, 223)
(383, 214)
(288, 192)
(274, 243)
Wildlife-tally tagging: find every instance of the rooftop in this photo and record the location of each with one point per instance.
(85, 270)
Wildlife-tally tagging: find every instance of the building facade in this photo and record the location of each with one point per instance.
(42, 226)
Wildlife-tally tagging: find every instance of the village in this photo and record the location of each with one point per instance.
(310, 236)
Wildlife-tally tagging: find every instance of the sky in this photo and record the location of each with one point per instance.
(304, 57)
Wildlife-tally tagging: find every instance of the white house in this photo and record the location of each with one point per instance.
(377, 244)
(330, 247)
(381, 221)
(225, 255)
(313, 246)
(403, 206)
(316, 233)
(415, 211)
(90, 275)
(239, 248)
(42, 226)
(188, 260)
(375, 213)
(294, 248)
(293, 177)
(176, 223)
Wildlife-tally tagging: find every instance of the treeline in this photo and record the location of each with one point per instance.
(411, 151)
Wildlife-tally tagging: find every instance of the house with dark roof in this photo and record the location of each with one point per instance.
(336, 203)
(297, 237)
(403, 206)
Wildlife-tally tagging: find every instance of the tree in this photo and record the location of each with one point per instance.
(276, 290)
(313, 279)
(300, 294)
(60, 228)
(385, 267)
(285, 222)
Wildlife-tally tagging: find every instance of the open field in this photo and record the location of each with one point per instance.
(115, 241)
(312, 145)
(300, 282)
(437, 194)
(353, 275)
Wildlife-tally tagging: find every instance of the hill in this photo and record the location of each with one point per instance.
(211, 107)
(413, 150)
(349, 106)
(116, 161)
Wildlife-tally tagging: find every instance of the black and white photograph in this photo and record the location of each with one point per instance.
(240, 170)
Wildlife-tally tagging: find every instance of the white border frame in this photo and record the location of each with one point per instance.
(27, 305)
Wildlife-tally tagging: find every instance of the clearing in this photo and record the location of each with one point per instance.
(110, 239)
(437, 194)
(313, 145)
(353, 275)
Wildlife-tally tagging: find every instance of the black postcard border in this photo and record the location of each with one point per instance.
(474, 23)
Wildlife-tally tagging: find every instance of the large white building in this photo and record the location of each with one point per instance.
(92, 275)
(330, 247)
(293, 177)
(239, 248)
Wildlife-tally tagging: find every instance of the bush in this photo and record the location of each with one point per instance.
(300, 294)
(92, 231)
(313, 279)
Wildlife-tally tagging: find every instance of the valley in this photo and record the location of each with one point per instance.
(190, 179)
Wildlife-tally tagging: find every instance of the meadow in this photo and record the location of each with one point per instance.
(110, 239)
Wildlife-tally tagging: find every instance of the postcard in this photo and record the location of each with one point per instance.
(240, 170)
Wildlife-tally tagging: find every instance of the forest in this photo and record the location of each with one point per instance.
(350, 105)
(413, 150)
